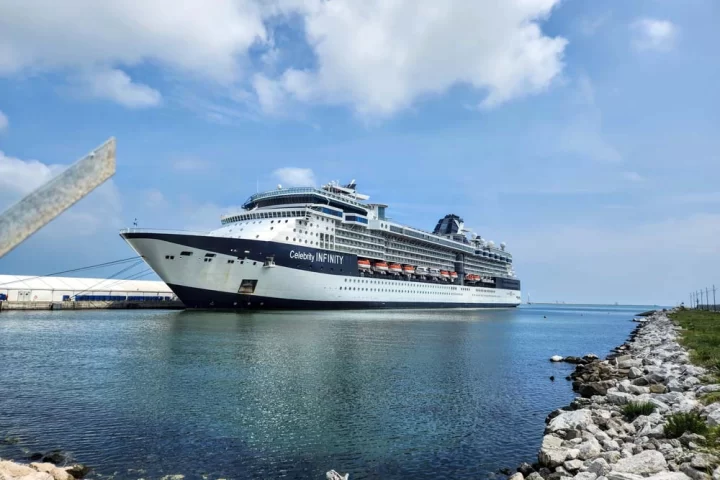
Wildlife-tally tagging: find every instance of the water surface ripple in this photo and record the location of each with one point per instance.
(393, 394)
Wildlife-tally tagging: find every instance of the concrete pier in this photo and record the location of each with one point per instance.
(91, 305)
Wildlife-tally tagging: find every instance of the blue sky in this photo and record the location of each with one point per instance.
(583, 134)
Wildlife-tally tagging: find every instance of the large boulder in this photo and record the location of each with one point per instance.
(669, 476)
(644, 463)
(552, 457)
(578, 419)
(56, 472)
(599, 466)
(589, 449)
(588, 390)
(619, 398)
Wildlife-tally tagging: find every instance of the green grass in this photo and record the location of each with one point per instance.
(679, 423)
(634, 409)
(701, 335)
(709, 398)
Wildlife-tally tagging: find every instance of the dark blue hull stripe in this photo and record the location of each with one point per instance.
(285, 255)
(213, 300)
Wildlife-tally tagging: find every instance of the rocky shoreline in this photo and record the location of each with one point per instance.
(597, 437)
(39, 471)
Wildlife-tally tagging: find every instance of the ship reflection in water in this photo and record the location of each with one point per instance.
(391, 394)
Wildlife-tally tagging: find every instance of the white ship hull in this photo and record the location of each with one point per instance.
(226, 273)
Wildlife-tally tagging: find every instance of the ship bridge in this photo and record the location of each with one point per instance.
(306, 196)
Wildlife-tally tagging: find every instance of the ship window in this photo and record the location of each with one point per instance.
(209, 255)
(186, 254)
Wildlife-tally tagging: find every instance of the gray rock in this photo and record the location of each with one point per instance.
(704, 461)
(690, 382)
(585, 476)
(526, 469)
(688, 470)
(573, 465)
(610, 445)
(623, 476)
(599, 466)
(709, 388)
(552, 457)
(688, 438)
(551, 441)
(655, 378)
(516, 476)
(674, 386)
(635, 373)
(669, 476)
(571, 420)
(716, 474)
(611, 457)
(589, 449)
(619, 398)
(534, 476)
(713, 418)
(644, 463)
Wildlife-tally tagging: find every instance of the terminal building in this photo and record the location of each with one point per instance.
(16, 288)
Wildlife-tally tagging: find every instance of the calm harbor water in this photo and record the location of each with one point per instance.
(390, 394)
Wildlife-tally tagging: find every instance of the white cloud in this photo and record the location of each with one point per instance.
(4, 122)
(270, 94)
(583, 136)
(633, 177)
(653, 34)
(380, 56)
(200, 37)
(116, 85)
(377, 57)
(20, 177)
(295, 177)
(155, 199)
(189, 164)
(590, 25)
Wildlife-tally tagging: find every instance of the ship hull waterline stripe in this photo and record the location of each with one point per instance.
(202, 299)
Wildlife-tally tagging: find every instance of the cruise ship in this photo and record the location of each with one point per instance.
(328, 248)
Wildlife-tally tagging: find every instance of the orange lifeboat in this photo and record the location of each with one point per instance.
(444, 274)
(395, 268)
(381, 267)
(364, 264)
(408, 269)
(472, 277)
(453, 275)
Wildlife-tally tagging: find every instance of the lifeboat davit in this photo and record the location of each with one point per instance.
(395, 268)
(381, 267)
(434, 272)
(421, 271)
(408, 269)
(364, 264)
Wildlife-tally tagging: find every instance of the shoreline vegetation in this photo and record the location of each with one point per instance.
(649, 410)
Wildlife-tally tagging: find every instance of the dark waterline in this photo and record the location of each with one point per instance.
(391, 394)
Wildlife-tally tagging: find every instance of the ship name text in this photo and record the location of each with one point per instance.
(319, 257)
